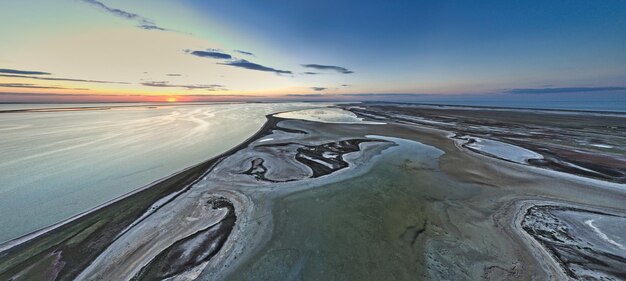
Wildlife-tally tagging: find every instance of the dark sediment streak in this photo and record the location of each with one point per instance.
(258, 170)
(411, 233)
(555, 136)
(321, 165)
(80, 240)
(322, 159)
(580, 256)
(193, 250)
(592, 170)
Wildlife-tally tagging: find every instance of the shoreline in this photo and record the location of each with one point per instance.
(566, 144)
(88, 108)
(442, 201)
(61, 232)
(186, 172)
(620, 112)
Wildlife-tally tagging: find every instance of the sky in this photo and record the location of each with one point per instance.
(199, 50)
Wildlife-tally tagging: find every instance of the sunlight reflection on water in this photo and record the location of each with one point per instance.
(57, 164)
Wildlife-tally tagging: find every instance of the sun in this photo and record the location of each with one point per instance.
(171, 99)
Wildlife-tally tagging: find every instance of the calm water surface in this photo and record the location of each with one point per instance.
(54, 165)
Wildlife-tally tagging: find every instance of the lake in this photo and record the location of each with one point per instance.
(57, 164)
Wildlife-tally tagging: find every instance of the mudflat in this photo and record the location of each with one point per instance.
(391, 191)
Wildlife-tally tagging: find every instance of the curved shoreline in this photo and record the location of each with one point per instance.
(445, 210)
(206, 165)
(552, 239)
(106, 223)
(159, 189)
(568, 145)
(187, 214)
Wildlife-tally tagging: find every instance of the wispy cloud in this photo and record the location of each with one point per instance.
(164, 84)
(388, 95)
(33, 86)
(310, 73)
(244, 52)
(152, 27)
(63, 97)
(142, 22)
(211, 53)
(329, 67)
(232, 61)
(564, 90)
(61, 79)
(318, 89)
(304, 95)
(23, 72)
(173, 74)
(253, 66)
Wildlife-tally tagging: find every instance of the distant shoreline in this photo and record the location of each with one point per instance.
(505, 108)
(457, 106)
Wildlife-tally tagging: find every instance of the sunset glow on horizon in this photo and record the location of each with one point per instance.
(115, 50)
(312, 140)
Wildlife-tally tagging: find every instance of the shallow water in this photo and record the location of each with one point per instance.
(325, 115)
(56, 165)
(363, 228)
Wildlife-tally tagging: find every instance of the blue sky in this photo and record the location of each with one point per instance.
(277, 48)
(474, 41)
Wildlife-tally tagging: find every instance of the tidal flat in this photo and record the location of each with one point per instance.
(375, 191)
(60, 161)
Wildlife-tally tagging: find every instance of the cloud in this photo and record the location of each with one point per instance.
(564, 90)
(23, 72)
(61, 79)
(304, 95)
(231, 61)
(253, 66)
(33, 86)
(151, 27)
(244, 52)
(64, 97)
(329, 67)
(141, 21)
(173, 74)
(310, 73)
(120, 95)
(318, 89)
(345, 85)
(215, 54)
(388, 95)
(164, 84)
